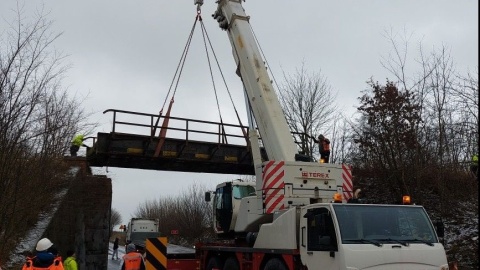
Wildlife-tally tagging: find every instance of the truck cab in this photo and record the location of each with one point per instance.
(364, 236)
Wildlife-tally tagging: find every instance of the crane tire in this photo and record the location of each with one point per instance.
(214, 263)
(231, 264)
(275, 264)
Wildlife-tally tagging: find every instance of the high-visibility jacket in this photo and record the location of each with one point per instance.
(133, 261)
(78, 140)
(56, 265)
(324, 145)
(475, 160)
(70, 264)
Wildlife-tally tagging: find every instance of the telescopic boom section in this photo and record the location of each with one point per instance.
(271, 122)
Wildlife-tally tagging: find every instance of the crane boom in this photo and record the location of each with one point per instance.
(268, 113)
(282, 181)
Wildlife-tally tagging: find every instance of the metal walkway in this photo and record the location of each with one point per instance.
(189, 146)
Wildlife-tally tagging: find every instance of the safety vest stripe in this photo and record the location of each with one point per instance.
(156, 257)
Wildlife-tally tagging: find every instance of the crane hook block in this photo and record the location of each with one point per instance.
(198, 2)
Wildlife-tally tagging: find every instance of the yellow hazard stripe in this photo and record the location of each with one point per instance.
(202, 156)
(134, 150)
(231, 158)
(156, 257)
(169, 153)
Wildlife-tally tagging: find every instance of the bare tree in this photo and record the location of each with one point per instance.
(446, 135)
(188, 213)
(37, 121)
(115, 219)
(308, 104)
(466, 102)
(448, 100)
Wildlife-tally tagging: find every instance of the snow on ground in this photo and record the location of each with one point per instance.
(28, 243)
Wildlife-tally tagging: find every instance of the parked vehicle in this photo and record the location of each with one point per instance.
(139, 229)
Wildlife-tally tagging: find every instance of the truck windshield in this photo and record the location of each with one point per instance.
(243, 191)
(399, 224)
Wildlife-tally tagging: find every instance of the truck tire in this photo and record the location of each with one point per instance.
(275, 264)
(215, 263)
(231, 264)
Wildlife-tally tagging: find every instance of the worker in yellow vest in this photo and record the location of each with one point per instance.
(474, 165)
(76, 143)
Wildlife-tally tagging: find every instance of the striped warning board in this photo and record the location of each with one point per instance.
(156, 257)
(273, 186)
(347, 182)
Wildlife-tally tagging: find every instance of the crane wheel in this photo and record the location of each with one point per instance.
(275, 264)
(231, 264)
(214, 263)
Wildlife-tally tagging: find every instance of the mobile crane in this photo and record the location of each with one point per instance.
(294, 216)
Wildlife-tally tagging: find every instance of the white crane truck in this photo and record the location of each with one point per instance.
(293, 217)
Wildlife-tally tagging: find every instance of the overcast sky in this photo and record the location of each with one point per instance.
(124, 53)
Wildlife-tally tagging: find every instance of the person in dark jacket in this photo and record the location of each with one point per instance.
(115, 248)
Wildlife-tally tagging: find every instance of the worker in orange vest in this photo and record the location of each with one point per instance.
(132, 260)
(46, 257)
(324, 148)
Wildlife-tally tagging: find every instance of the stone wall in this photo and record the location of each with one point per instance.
(82, 222)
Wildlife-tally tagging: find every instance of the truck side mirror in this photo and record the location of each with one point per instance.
(207, 196)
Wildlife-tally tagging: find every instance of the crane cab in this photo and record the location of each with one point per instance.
(226, 203)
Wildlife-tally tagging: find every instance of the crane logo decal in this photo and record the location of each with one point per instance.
(318, 175)
(273, 186)
(347, 185)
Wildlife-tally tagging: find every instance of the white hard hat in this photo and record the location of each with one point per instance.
(44, 244)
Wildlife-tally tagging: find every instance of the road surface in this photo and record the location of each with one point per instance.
(115, 264)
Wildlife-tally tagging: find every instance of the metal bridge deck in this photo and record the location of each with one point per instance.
(189, 146)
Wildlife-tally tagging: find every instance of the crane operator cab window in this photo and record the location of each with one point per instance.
(321, 230)
(240, 192)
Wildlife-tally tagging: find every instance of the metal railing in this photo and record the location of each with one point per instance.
(182, 128)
